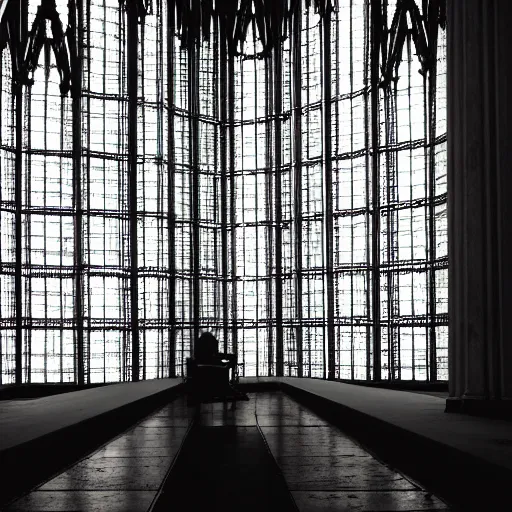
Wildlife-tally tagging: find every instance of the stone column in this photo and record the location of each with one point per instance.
(480, 205)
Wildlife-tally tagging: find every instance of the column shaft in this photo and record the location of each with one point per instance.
(479, 229)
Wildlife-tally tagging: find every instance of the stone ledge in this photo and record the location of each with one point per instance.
(26, 464)
(465, 481)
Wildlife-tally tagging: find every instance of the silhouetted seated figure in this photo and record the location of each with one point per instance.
(208, 371)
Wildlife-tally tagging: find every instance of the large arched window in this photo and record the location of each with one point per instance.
(273, 172)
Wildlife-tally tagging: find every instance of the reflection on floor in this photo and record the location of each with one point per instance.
(122, 476)
(226, 468)
(323, 468)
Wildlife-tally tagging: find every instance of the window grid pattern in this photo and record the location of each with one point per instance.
(104, 181)
(235, 232)
(7, 223)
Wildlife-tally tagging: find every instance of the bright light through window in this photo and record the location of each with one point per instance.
(291, 200)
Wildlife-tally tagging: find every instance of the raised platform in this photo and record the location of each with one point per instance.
(465, 459)
(40, 436)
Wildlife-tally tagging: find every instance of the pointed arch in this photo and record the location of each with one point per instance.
(424, 26)
(39, 38)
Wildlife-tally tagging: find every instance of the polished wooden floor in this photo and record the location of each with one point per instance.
(319, 467)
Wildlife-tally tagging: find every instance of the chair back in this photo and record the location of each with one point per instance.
(207, 348)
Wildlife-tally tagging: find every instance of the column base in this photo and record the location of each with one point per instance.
(488, 408)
